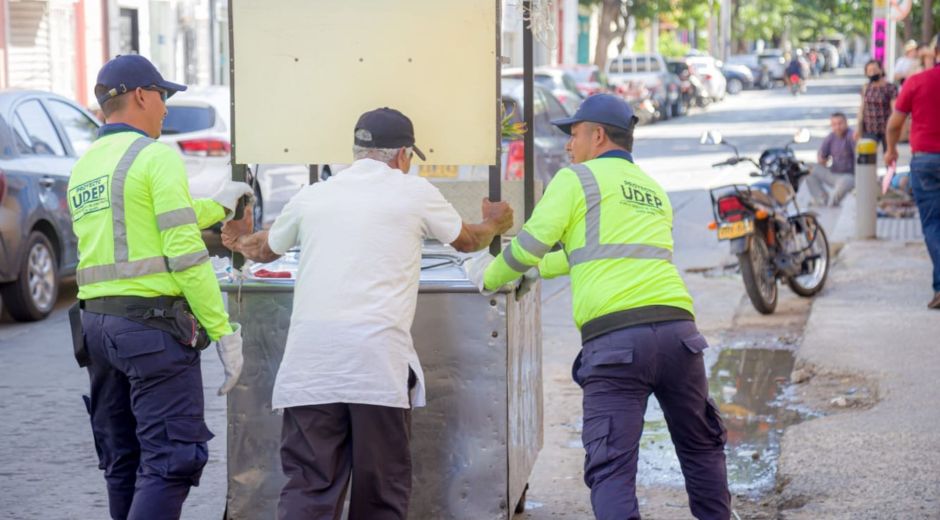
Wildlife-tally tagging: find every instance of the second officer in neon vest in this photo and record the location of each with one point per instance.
(146, 291)
(632, 307)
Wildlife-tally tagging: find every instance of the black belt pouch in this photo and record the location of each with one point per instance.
(78, 336)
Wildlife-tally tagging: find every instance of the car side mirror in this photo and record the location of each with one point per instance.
(801, 136)
(710, 137)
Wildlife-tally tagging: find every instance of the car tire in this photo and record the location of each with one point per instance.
(735, 86)
(33, 295)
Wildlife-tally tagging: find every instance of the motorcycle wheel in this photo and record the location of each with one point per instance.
(760, 281)
(812, 282)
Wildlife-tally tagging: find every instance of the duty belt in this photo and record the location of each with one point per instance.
(171, 314)
(128, 306)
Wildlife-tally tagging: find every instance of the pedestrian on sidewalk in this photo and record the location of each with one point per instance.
(633, 309)
(148, 297)
(918, 100)
(350, 374)
(878, 97)
(839, 147)
(908, 64)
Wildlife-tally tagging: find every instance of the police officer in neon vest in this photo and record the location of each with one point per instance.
(146, 292)
(633, 309)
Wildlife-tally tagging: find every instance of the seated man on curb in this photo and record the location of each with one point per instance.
(839, 146)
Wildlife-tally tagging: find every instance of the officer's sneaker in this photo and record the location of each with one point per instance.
(935, 302)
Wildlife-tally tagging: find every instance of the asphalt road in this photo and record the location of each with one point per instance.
(48, 467)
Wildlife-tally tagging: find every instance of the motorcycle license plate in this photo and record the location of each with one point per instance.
(735, 229)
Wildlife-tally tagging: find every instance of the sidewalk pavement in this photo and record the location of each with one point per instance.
(870, 321)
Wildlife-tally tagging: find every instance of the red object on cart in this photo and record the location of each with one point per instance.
(264, 273)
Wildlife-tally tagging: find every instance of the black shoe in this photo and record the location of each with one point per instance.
(935, 302)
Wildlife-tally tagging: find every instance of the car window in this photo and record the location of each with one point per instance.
(79, 128)
(544, 80)
(569, 83)
(555, 110)
(181, 119)
(8, 140)
(21, 137)
(642, 64)
(584, 74)
(37, 131)
(540, 114)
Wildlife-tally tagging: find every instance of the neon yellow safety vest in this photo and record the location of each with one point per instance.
(138, 228)
(615, 223)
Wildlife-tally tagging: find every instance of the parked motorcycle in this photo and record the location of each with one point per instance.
(640, 99)
(772, 238)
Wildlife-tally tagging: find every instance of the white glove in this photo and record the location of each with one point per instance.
(230, 352)
(530, 278)
(476, 267)
(229, 194)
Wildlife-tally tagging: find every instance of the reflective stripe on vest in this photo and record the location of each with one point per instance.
(122, 266)
(593, 249)
(532, 245)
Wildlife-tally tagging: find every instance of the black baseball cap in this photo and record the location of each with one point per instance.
(386, 128)
(124, 73)
(606, 109)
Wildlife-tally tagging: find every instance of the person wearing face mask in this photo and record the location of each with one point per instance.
(877, 103)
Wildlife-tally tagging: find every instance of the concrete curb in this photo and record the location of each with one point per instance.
(871, 321)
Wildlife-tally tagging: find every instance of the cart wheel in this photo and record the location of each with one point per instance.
(520, 507)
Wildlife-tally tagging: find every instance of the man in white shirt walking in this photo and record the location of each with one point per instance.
(350, 374)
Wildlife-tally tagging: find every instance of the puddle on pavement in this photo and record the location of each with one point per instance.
(749, 386)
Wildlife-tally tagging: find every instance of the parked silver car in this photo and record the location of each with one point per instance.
(41, 137)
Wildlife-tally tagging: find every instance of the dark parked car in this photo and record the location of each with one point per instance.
(759, 70)
(41, 137)
(550, 154)
(561, 84)
(738, 77)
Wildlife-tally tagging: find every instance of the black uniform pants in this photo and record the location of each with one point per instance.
(618, 371)
(146, 408)
(322, 446)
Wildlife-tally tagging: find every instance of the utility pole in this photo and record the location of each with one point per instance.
(712, 29)
(725, 49)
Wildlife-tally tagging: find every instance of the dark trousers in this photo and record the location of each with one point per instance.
(925, 180)
(323, 445)
(146, 408)
(618, 371)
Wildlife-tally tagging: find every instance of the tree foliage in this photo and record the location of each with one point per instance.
(770, 20)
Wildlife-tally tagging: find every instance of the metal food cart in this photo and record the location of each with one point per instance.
(475, 443)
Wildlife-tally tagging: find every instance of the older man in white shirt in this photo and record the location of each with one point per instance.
(350, 374)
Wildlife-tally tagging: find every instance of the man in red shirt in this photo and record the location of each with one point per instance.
(918, 99)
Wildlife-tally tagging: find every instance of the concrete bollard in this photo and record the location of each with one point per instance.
(866, 189)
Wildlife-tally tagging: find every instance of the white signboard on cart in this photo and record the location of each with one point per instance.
(305, 70)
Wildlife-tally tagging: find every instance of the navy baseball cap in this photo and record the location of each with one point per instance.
(606, 109)
(124, 73)
(386, 128)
